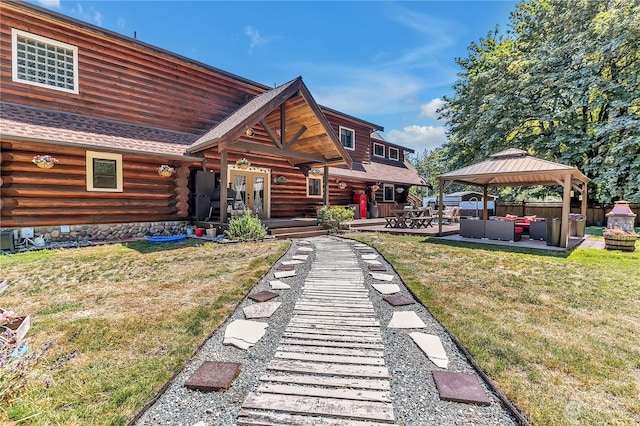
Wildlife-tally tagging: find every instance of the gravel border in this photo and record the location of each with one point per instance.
(415, 397)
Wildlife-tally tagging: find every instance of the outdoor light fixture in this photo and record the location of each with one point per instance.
(250, 132)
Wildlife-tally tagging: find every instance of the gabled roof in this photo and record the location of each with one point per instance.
(514, 167)
(308, 137)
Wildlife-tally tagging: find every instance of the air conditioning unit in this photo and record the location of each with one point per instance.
(6, 241)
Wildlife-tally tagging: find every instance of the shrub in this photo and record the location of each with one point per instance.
(333, 218)
(246, 227)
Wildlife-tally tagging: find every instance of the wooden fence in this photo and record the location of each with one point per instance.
(595, 214)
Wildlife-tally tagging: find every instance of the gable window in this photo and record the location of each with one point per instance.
(314, 186)
(388, 191)
(348, 138)
(378, 150)
(43, 62)
(394, 153)
(104, 171)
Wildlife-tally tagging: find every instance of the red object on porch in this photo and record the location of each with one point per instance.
(361, 199)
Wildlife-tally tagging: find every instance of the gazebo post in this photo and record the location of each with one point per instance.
(583, 205)
(440, 206)
(485, 210)
(566, 207)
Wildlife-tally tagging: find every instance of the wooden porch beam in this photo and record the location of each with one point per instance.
(271, 134)
(325, 184)
(282, 152)
(295, 137)
(224, 185)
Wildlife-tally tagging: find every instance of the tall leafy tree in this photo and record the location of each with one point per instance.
(562, 83)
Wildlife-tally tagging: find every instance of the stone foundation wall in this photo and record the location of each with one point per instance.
(109, 231)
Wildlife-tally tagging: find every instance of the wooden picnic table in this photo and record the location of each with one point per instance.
(408, 218)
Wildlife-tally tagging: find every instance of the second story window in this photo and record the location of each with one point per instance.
(348, 138)
(378, 150)
(43, 62)
(394, 153)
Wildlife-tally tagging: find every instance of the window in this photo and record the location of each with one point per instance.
(314, 186)
(348, 138)
(388, 194)
(394, 153)
(104, 172)
(44, 62)
(378, 150)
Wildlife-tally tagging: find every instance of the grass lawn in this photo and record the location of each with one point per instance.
(558, 334)
(118, 322)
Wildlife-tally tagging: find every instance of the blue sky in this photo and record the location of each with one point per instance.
(389, 63)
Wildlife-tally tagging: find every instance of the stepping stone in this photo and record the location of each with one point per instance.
(431, 345)
(305, 249)
(243, 333)
(373, 262)
(300, 257)
(213, 376)
(377, 267)
(263, 296)
(460, 387)
(284, 274)
(366, 250)
(381, 277)
(279, 285)
(260, 310)
(304, 243)
(292, 262)
(283, 267)
(398, 300)
(386, 288)
(369, 256)
(407, 319)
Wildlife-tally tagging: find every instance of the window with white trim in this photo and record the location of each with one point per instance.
(314, 186)
(44, 62)
(378, 150)
(348, 138)
(104, 171)
(388, 193)
(394, 153)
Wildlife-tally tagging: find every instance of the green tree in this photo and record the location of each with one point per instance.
(562, 83)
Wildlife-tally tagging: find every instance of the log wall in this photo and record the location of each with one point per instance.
(32, 196)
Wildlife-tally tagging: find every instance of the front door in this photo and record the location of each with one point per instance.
(252, 189)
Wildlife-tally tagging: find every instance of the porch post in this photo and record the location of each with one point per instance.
(566, 207)
(325, 184)
(224, 185)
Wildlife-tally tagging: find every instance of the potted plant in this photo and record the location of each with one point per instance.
(190, 230)
(211, 231)
(616, 238)
(166, 170)
(243, 163)
(44, 161)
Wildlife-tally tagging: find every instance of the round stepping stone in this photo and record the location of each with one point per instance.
(213, 376)
(460, 387)
(263, 296)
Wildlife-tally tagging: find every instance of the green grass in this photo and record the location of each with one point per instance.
(123, 320)
(558, 334)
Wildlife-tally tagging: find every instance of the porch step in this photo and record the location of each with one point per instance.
(359, 223)
(297, 232)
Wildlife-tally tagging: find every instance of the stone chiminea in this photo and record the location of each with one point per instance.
(621, 216)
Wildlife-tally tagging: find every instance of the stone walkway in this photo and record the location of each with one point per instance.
(338, 340)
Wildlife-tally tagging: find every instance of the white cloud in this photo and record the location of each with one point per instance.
(430, 109)
(256, 38)
(419, 138)
(55, 4)
(91, 15)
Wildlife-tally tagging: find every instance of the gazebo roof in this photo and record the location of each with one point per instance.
(514, 167)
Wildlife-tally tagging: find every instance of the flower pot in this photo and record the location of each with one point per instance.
(44, 165)
(243, 166)
(620, 242)
(211, 232)
(189, 232)
(165, 173)
(199, 232)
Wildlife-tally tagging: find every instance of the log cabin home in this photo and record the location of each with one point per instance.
(114, 111)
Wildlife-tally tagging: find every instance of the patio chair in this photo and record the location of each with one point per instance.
(451, 215)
